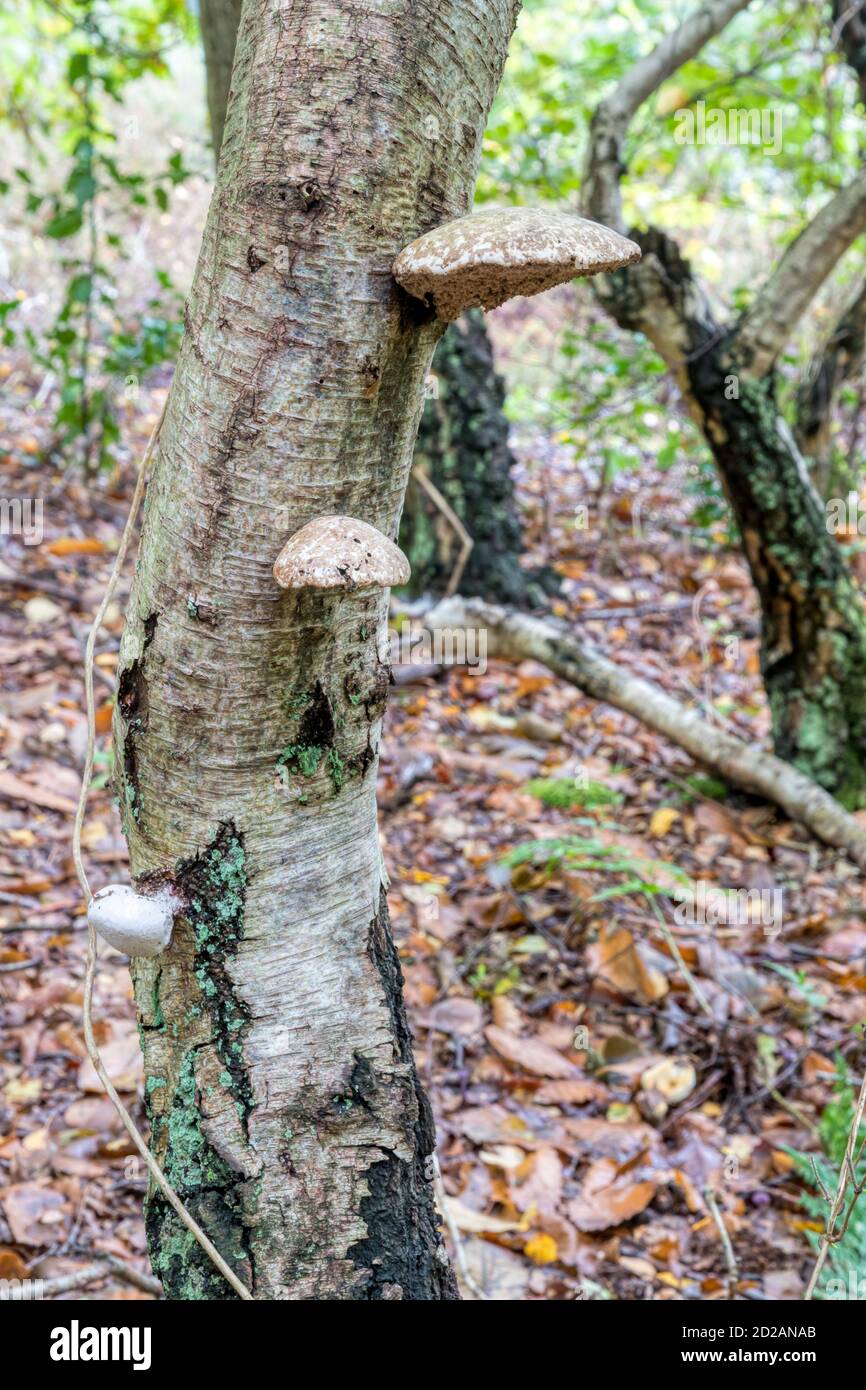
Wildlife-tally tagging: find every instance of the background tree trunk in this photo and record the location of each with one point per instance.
(813, 651)
(219, 21)
(463, 448)
(813, 625)
(282, 1092)
(841, 360)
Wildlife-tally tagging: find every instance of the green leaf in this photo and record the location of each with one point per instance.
(78, 67)
(80, 289)
(64, 224)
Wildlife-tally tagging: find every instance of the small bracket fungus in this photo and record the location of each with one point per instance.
(340, 552)
(491, 256)
(137, 924)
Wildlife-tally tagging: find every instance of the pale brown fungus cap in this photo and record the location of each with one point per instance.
(340, 552)
(491, 256)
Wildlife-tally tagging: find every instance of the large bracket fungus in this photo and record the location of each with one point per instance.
(340, 552)
(487, 257)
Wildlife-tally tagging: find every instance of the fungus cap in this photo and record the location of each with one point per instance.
(137, 924)
(340, 552)
(488, 257)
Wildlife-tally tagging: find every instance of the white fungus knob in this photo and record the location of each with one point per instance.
(137, 924)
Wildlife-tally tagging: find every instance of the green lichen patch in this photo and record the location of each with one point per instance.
(208, 1186)
(301, 758)
(214, 884)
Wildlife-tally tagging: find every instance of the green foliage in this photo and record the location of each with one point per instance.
(565, 792)
(778, 64)
(801, 986)
(846, 1260)
(577, 852)
(64, 70)
(703, 785)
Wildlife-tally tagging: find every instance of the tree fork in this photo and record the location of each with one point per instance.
(283, 1096)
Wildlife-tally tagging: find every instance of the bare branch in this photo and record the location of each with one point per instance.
(515, 636)
(804, 267)
(610, 123)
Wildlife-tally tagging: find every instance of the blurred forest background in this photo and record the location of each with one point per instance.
(536, 838)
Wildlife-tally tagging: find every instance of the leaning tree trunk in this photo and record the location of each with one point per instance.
(840, 360)
(813, 625)
(813, 650)
(463, 449)
(219, 21)
(282, 1092)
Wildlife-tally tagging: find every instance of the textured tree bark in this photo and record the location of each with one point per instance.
(282, 1092)
(463, 436)
(463, 448)
(813, 626)
(840, 360)
(813, 650)
(515, 636)
(219, 21)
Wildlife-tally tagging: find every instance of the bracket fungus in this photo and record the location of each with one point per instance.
(138, 924)
(340, 552)
(487, 257)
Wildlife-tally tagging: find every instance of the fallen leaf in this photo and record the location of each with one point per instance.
(609, 1197)
(14, 788)
(122, 1060)
(569, 1092)
(76, 545)
(34, 1211)
(457, 1015)
(541, 1188)
(476, 1222)
(530, 1054)
(501, 1275)
(11, 1264)
(662, 820)
(619, 960)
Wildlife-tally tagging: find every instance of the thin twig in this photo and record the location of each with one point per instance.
(26, 1290)
(466, 541)
(453, 1231)
(677, 954)
(831, 1236)
(724, 1236)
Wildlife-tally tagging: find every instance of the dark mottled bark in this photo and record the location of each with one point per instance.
(849, 29)
(813, 656)
(814, 633)
(219, 21)
(463, 448)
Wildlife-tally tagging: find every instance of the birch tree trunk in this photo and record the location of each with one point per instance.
(282, 1092)
(463, 436)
